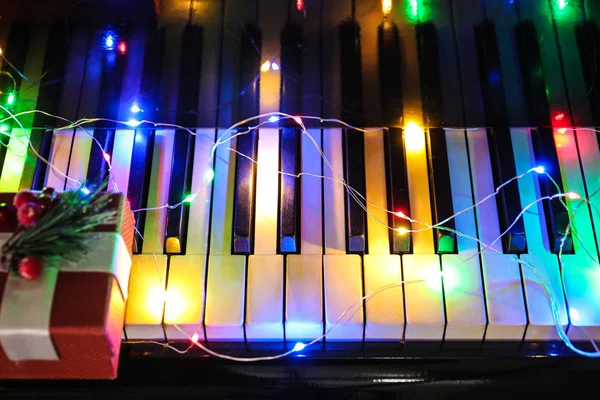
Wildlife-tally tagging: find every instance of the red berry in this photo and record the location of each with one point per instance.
(29, 214)
(23, 198)
(30, 267)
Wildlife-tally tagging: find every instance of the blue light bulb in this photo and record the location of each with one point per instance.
(109, 42)
(299, 346)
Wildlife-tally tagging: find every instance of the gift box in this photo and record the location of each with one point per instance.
(68, 322)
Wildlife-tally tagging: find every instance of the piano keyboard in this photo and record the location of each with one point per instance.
(259, 256)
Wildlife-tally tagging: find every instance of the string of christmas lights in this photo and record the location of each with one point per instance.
(275, 117)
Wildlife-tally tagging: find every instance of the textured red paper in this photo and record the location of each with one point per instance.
(87, 319)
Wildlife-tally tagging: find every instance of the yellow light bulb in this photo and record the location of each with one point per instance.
(573, 196)
(414, 137)
(386, 6)
(402, 231)
(265, 66)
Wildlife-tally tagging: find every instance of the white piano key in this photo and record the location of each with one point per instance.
(264, 301)
(385, 310)
(225, 294)
(334, 192)
(60, 150)
(184, 305)
(580, 272)
(146, 301)
(26, 100)
(271, 20)
(463, 287)
(343, 289)
(80, 157)
(304, 297)
(501, 273)
(423, 298)
(158, 192)
(221, 234)
(121, 160)
(311, 206)
(199, 214)
(541, 322)
(589, 154)
(267, 192)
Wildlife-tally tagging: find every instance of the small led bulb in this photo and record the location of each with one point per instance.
(573, 196)
(539, 170)
(402, 231)
(265, 66)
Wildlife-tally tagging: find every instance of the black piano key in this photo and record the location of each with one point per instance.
(245, 185)
(499, 139)
(16, 51)
(49, 96)
(113, 65)
(152, 72)
(247, 144)
(139, 179)
(351, 72)
(439, 173)
(354, 168)
(389, 73)
(587, 35)
(289, 191)
(183, 148)
(545, 155)
(397, 189)
(179, 188)
(42, 141)
(291, 103)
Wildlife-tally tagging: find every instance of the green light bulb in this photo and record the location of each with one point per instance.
(11, 99)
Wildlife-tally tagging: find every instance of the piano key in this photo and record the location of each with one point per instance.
(496, 116)
(100, 156)
(121, 160)
(80, 157)
(184, 305)
(463, 286)
(12, 152)
(368, 16)
(354, 167)
(271, 22)
(39, 174)
(343, 289)
(197, 234)
(289, 191)
(391, 79)
(158, 191)
(304, 297)
(433, 108)
(59, 157)
(245, 184)
(541, 325)
(49, 96)
(145, 304)
(264, 304)
(397, 189)
(212, 34)
(385, 311)
(576, 89)
(311, 183)
(334, 193)
(585, 34)
(350, 69)
(507, 319)
(139, 180)
(580, 272)
(226, 277)
(179, 189)
(291, 69)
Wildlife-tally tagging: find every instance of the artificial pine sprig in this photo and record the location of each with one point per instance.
(59, 233)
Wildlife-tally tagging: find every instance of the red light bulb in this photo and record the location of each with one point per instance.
(299, 5)
(122, 47)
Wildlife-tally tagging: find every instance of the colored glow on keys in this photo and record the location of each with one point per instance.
(414, 7)
(1, 51)
(299, 5)
(540, 169)
(386, 6)
(562, 130)
(155, 303)
(209, 175)
(122, 47)
(414, 137)
(574, 314)
(273, 118)
(190, 198)
(573, 196)
(433, 280)
(562, 4)
(299, 346)
(3, 128)
(135, 108)
(275, 66)
(109, 42)
(11, 99)
(195, 338)
(133, 123)
(266, 66)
